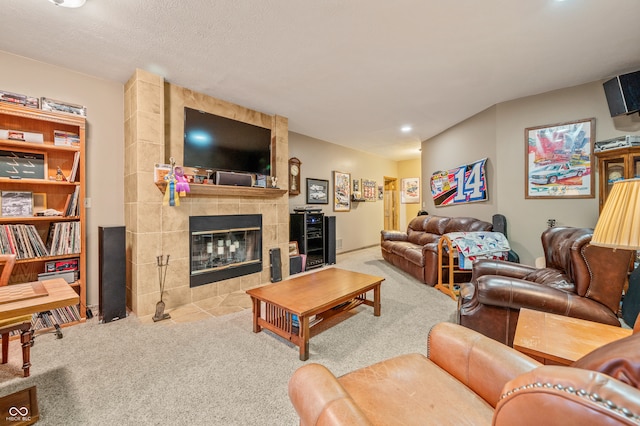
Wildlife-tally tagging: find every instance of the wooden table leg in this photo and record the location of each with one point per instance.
(376, 300)
(256, 314)
(304, 337)
(25, 339)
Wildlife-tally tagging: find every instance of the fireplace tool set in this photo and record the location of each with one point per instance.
(162, 275)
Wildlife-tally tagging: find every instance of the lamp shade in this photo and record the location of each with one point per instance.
(619, 222)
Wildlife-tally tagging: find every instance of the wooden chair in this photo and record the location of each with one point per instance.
(22, 323)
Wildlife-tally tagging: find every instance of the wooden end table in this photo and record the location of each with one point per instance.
(560, 340)
(323, 294)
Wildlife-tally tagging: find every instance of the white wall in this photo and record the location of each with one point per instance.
(361, 226)
(470, 141)
(104, 145)
(498, 133)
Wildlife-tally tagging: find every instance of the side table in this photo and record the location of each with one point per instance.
(560, 340)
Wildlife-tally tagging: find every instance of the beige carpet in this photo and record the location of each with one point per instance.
(215, 371)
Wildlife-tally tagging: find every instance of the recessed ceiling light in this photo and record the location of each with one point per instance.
(406, 129)
(69, 3)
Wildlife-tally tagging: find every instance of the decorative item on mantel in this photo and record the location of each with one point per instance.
(177, 185)
(160, 314)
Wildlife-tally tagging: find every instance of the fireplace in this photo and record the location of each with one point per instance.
(224, 247)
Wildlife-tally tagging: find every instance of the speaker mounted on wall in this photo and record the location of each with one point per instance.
(623, 93)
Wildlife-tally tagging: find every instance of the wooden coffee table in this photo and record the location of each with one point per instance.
(321, 293)
(560, 340)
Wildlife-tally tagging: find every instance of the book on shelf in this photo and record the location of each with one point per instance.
(62, 138)
(64, 238)
(22, 240)
(74, 168)
(71, 207)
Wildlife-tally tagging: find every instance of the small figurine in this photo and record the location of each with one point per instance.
(274, 182)
(59, 176)
(182, 184)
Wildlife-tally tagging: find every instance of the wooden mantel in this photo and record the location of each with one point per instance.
(206, 190)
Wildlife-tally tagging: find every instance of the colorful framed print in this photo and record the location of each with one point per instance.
(559, 160)
(410, 193)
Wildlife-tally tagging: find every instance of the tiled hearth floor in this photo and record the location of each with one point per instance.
(207, 308)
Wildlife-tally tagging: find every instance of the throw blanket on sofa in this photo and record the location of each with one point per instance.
(479, 245)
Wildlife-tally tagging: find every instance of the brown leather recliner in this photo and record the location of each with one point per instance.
(470, 379)
(580, 280)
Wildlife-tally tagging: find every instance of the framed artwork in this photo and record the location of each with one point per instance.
(317, 191)
(23, 164)
(559, 160)
(293, 248)
(369, 191)
(17, 203)
(380, 192)
(356, 185)
(341, 191)
(410, 193)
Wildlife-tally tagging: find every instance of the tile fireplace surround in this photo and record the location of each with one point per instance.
(154, 114)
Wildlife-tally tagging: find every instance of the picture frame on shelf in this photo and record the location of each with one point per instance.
(559, 160)
(410, 193)
(16, 203)
(317, 191)
(356, 185)
(293, 248)
(23, 164)
(341, 191)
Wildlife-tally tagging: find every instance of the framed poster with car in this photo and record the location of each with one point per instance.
(317, 191)
(410, 191)
(559, 160)
(341, 191)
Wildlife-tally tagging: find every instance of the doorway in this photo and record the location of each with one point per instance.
(391, 203)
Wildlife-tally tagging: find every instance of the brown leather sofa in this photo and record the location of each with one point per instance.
(580, 280)
(469, 379)
(416, 251)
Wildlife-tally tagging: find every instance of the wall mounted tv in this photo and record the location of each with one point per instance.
(218, 143)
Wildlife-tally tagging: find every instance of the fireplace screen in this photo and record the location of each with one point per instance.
(218, 254)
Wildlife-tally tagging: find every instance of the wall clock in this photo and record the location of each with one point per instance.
(294, 176)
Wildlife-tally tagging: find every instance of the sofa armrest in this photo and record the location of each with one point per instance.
(319, 399)
(568, 395)
(513, 293)
(393, 235)
(482, 364)
(500, 267)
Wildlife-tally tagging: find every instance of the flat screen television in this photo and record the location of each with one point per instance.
(212, 142)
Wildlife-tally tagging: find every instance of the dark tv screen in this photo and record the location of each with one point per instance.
(219, 143)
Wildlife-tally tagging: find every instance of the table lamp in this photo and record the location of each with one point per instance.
(619, 228)
(619, 222)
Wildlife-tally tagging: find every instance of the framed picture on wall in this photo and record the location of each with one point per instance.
(410, 193)
(341, 191)
(369, 191)
(317, 191)
(559, 160)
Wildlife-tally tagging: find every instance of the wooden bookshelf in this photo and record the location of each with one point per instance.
(44, 184)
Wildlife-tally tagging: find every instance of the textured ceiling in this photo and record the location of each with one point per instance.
(349, 72)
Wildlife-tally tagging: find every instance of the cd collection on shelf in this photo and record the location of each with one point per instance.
(25, 242)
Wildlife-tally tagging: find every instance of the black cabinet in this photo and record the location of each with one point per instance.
(308, 230)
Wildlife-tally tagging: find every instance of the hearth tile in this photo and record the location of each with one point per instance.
(224, 310)
(210, 303)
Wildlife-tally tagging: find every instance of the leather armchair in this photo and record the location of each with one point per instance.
(466, 378)
(580, 280)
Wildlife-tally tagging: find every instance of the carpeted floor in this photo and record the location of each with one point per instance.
(215, 371)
